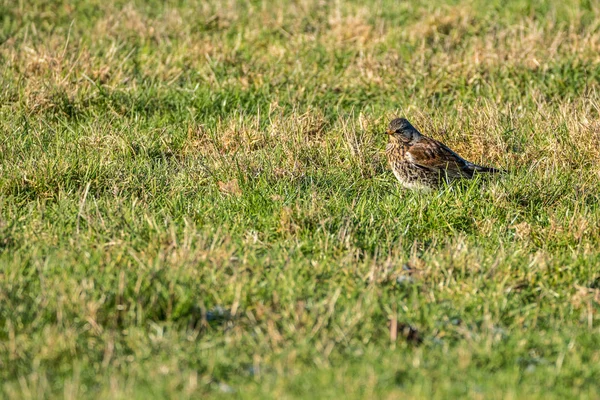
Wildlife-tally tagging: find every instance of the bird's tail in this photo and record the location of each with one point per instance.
(485, 170)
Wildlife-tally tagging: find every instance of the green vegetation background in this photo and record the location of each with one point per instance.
(194, 200)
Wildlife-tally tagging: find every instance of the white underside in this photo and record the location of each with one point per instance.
(411, 185)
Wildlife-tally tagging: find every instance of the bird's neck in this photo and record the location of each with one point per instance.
(395, 146)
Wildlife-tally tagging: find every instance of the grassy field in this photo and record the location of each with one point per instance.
(194, 200)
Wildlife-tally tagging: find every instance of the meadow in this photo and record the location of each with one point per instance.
(195, 201)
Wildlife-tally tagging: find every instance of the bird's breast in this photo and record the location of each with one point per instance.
(395, 151)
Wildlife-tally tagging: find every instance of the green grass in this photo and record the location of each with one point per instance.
(194, 200)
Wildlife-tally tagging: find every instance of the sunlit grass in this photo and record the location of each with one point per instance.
(194, 200)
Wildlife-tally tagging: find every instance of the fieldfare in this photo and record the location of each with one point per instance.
(419, 162)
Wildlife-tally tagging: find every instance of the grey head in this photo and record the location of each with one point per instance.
(403, 130)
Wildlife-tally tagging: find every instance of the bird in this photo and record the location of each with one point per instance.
(422, 163)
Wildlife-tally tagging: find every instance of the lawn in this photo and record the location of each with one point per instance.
(195, 201)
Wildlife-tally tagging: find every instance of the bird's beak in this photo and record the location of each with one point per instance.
(388, 132)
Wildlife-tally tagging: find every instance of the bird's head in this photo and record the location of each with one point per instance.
(402, 130)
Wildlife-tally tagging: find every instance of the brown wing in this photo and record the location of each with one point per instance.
(435, 156)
